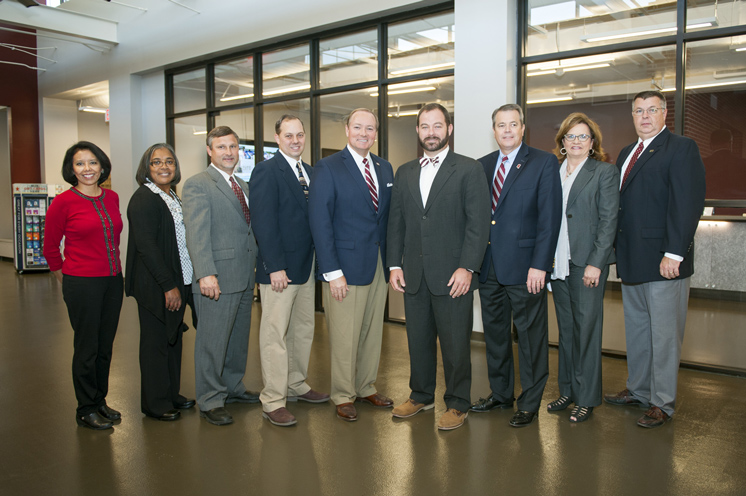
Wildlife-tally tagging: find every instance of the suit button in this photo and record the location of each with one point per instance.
(377, 243)
(424, 217)
(569, 216)
(493, 222)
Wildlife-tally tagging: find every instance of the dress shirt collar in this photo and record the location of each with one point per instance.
(227, 177)
(647, 142)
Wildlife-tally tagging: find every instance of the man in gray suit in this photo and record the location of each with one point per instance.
(223, 250)
(437, 235)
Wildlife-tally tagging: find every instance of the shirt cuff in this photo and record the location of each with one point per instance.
(335, 274)
(673, 257)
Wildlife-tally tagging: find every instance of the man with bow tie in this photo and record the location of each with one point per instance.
(526, 213)
(348, 207)
(438, 231)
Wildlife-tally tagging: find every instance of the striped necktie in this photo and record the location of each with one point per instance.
(302, 180)
(371, 184)
(497, 184)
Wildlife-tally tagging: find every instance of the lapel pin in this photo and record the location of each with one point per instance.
(518, 166)
(651, 151)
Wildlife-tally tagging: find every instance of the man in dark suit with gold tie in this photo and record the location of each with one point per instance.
(285, 271)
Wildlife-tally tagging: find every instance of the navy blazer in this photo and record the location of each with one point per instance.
(279, 215)
(347, 230)
(526, 222)
(659, 207)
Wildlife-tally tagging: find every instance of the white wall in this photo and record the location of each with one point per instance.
(486, 70)
(59, 132)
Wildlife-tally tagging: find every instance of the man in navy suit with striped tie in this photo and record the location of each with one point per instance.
(348, 205)
(526, 214)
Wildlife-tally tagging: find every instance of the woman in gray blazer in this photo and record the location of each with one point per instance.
(590, 189)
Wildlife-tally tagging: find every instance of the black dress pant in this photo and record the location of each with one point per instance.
(430, 318)
(93, 304)
(160, 360)
(529, 313)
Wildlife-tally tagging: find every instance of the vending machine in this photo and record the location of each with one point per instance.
(30, 203)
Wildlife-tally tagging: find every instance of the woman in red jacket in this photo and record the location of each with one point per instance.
(87, 217)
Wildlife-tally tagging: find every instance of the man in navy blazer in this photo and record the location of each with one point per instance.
(348, 211)
(662, 193)
(526, 213)
(284, 271)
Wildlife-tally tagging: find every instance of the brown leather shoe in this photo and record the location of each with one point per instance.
(410, 408)
(655, 417)
(622, 398)
(347, 412)
(281, 417)
(311, 397)
(452, 419)
(377, 400)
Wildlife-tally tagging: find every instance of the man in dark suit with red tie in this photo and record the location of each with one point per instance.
(348, 206)
(526, 213)
(661, 200)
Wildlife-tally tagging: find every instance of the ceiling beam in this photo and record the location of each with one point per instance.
(43, 18)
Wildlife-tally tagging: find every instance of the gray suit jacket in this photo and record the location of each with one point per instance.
(592, 209)
(448, 233)
(218, 239)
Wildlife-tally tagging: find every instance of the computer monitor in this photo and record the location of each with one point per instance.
(247, 157)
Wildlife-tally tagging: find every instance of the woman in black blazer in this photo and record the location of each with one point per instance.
(590, 190)
(158, 275)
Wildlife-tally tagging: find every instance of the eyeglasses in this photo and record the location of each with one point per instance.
(650, 111)
(157, 163)
(581, 137)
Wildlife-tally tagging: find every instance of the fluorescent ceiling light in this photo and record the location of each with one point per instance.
(286, 89)
(713, 85)
(405, 113)
(564, 64)
(567, 69)
(95, 110)
(550, 100)
(423, 68)
(742, 49)
(197, 133)
(668, 28)
(237, 97)
(408, 90)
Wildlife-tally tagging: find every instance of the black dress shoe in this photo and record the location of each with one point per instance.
(490, 403)
(168, 416)
(109, 413)
(245, 397)
(217, 416)
(184, 405)
(522, 418)
(93, 421)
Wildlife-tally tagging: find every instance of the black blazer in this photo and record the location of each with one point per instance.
(659, 207)
(153, 265)
(279, 215)
(448, 233)
(526, 222)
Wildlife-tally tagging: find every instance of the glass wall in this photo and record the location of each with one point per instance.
(320, 79)
(617, 49)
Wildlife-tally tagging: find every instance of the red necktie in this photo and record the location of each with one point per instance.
(371, 184)
(635, 156)
(241, 199)
(497, 184)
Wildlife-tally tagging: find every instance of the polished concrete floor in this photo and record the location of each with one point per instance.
(42, 451)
